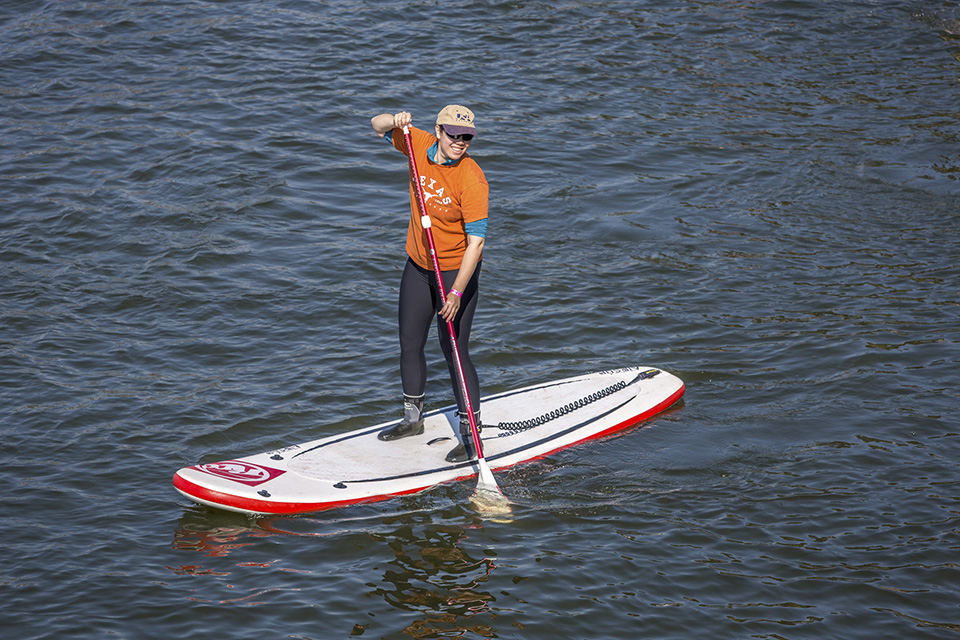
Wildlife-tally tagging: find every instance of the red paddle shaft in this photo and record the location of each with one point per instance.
(425, 221)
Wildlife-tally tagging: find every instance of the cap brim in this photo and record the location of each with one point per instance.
(455, 130)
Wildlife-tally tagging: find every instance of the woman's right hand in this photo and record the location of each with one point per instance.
(402, 119)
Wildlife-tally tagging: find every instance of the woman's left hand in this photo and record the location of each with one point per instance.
(449, 310)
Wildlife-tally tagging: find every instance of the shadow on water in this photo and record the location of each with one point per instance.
(431, 566)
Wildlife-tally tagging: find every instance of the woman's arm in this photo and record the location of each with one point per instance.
(388, 122)
(471, 257)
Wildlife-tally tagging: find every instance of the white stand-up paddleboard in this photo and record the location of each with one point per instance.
(353, 467)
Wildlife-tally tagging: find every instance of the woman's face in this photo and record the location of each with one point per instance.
(450, 147)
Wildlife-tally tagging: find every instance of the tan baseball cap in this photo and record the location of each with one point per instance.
(456, 119)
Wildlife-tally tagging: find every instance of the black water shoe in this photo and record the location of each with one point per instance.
(462, 452)
(402, 430)
(412, 424)
(465, 449)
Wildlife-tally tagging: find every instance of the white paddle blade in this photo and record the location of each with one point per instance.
(485, 479)
(488, 498)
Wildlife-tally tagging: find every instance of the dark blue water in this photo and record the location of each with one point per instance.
(200, 244)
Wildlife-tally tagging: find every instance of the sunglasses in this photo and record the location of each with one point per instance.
(466, 137)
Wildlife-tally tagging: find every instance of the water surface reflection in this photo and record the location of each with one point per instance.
(431, 563)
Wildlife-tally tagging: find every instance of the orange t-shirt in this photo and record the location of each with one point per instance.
(455, 194)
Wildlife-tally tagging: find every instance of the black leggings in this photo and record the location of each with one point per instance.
(420, 303)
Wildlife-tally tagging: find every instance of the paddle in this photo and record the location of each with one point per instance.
(485, 481)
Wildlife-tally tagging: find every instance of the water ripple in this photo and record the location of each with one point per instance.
(201, 244)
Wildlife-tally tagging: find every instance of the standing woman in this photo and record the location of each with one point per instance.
(456, 195)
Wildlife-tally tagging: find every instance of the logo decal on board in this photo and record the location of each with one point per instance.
(242, 472)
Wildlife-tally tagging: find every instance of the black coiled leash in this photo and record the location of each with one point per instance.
(511, 428)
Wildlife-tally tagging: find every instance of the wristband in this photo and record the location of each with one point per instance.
(454, 292)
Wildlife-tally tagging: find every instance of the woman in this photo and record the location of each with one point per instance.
(457, 196)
